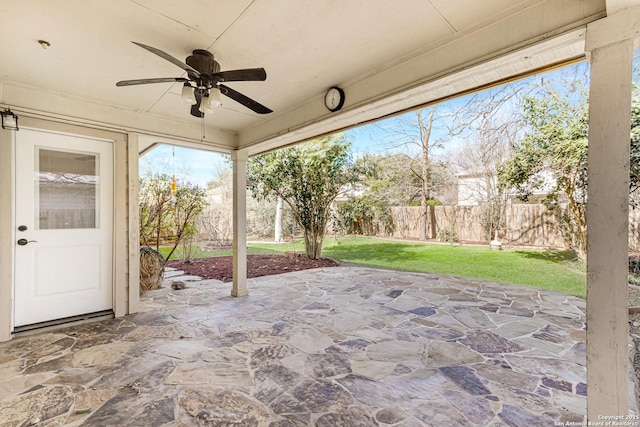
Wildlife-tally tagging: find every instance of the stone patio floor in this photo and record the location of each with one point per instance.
(342, 346)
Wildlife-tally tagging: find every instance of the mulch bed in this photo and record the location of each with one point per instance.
(221, 268)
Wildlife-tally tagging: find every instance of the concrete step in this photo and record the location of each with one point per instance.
(187, 278)
(170, 274)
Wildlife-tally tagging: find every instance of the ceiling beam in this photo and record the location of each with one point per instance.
(614, 6)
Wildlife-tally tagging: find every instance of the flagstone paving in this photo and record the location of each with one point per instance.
(342, 346)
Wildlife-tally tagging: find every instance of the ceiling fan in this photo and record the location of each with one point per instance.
(203, 87)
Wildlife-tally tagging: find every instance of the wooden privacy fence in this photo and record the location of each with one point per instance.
(634, 230)
(526, 224)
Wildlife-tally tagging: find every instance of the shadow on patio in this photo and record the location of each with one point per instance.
(347, 346)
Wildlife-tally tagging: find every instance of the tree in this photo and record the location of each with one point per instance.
(428, 211)
(387, 178)
(383, 181)
(552, 156)
(415, 134)
(489, 133)
(307, 177)
(261, 218)
(190, 202)
(386, 181)
(479, 162)
(488, 122)
(164, 214)
(365, 215)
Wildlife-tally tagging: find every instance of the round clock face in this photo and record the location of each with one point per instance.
(334, 99)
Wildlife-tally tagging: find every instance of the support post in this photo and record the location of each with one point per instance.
(607, 219)
(239, 160)
(133, 194)
(7, 232)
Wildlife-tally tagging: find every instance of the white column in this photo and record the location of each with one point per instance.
(7, 232)
(133, 193)
(239, 160)
(611, 55)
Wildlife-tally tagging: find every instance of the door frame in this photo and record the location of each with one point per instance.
(125, 251)
(86, 299)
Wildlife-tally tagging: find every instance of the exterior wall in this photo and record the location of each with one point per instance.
(125, 206)
(475, 189)
(471, 191)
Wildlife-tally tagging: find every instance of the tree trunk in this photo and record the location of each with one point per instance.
(424, 219)
(278, 225)
(425, 135)
(432, 221)
(580, 220)
(158, 229)
(313, 244)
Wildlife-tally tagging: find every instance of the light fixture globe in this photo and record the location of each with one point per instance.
(215, 97)
(205, 104)
(187, 95)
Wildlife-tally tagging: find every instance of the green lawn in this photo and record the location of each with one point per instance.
(544, 269)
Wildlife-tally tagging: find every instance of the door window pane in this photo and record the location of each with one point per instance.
(67, 189)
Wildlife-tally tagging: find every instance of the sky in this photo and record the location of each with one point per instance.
(383, 137)
(200, 167)
(187, 164)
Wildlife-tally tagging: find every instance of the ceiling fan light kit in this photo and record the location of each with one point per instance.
(187, 95)
(205, 104)
(203, 87)
(215, 97)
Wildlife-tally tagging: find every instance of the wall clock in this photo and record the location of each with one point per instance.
(334, 99)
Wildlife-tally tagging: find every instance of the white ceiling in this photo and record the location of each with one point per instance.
(377, 50)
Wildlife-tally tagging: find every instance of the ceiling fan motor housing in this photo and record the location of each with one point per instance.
(203, 61)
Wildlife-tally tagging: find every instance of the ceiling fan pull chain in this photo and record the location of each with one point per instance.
(202, 128)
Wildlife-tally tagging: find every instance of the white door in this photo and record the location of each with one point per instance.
(64, 226)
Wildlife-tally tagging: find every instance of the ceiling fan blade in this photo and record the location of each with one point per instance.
(195, 109)
(169, 58)
(245, 75)
(147, 81)
(244, 100)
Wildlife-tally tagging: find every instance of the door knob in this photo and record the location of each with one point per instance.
(23, 242)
